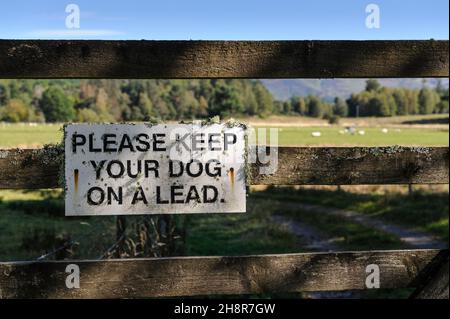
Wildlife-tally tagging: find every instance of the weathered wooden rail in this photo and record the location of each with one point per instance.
(222, 59)
(425, 270)
(40, 168)
(127, 278)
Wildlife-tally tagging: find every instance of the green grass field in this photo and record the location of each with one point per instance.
(24, 135)
(334, 136)
(32, 223)
(424, 210)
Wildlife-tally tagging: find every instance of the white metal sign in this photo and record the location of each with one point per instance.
(125, 169)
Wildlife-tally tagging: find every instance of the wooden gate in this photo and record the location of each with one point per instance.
(425, 270)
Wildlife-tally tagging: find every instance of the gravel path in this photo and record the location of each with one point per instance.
(414, 238)
(314, 239)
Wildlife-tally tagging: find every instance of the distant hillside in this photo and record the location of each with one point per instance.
(329, 88)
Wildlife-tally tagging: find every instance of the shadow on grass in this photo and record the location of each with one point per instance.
(424, 210)
(443, 120)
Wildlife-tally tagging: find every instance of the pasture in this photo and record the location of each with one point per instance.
(292, 131)
(32, 223)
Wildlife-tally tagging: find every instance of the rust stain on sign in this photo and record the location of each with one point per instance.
(125, 169)
(75, 179)
(232, 177)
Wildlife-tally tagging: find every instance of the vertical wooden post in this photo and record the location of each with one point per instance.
(121, 225)
(436, 282)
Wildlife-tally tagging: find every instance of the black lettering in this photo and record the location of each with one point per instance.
(205, 194)
(107, 142)
(90, 198)
(189, 168)
(121, 169)
(217, 169)
(211, 141)
(144, 145)
(192, 195)
(126, 143)
(77, 140)
(227, 141)
(138, 169)
(117, 197)
(156, 142)
(92, 149)
(98, 167)
(174, 194)
(158, 196)
(139, 196)
(155, 168)
(196, 141)
(171, 168)
(182, 141)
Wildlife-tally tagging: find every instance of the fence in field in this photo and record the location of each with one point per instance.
(425, 270)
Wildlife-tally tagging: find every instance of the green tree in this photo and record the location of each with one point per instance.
(225, 102)
(163, 109)
(427, 101)
(264, 100)
(340, 108)
(146, 107)
(14, 111)
(440, 88)
(315, 106)
(249, 101)
(14, 89)
(298, 105)
(189, 105)
(372, 85)
(102, 106)
(401, 101)
(3, 94)
(87, 115)
(377, 106)
(287, 107)
(442, 107)
(56, 106)
(353, 105)
(386, 95)
(412, 97)
(202, 106)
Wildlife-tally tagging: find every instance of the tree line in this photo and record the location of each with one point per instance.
(130, 100)
(375, 100)
(142, 100)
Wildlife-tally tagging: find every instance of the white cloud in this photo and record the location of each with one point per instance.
(59, 33)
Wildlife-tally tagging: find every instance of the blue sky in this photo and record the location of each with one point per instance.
(225, 20)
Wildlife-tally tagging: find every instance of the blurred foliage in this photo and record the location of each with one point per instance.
(141, 100)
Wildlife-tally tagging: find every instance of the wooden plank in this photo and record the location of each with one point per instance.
(357, 166)
(191, 276)
(40, 168)
(31, 168)
(438, 287)
(222, 59)
(434, 283)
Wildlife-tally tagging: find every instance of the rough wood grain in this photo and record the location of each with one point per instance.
(31, 168)
(40, 168)
(356, 166)
(222, 59)
(434, 283)
(190, 276)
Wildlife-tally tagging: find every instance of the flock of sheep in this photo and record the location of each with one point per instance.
(349, 130)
